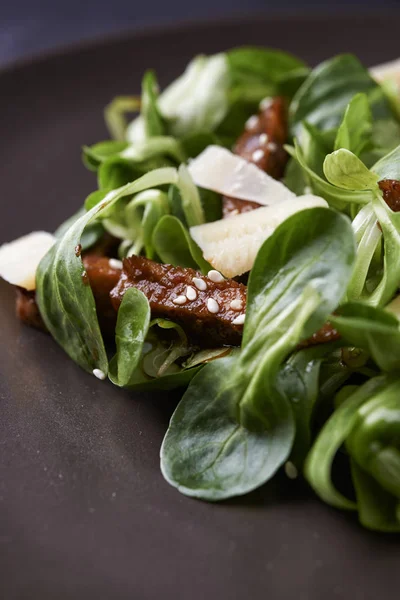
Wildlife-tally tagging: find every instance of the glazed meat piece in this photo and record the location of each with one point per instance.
(235, 206)
(391, 193)
(261, 143)
(326, 334)
(27, 310)
(103, 274)
(262, 140)
(210, 309)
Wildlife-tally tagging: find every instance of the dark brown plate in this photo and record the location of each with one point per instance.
(84, 510)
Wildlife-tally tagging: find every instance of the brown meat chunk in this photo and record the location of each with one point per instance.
(261, 143)
(324, 335)
(27, 310)
(262, 140)
(173, 292)
(102, 277)
(235, 206)
(391, 193)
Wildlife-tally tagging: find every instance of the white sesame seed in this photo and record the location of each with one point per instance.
(212, 305)
(239, 320)
(200, 284)
(115, 263)
(266, 103)
(179, 300)
(236, 304)
(99, 374)
(263, 139)
(272, 147)
(215, 276)
(290, 470)
(251, 122)
(191, 293)
(258, 154)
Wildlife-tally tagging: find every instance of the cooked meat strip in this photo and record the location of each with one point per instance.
(261, 143)
(326, 334)
(262, 140)
(210, 309)
(103, 276)
(391, 193)
(235, 206)
(27, 310)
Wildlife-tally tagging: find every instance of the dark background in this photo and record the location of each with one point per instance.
(28, 27)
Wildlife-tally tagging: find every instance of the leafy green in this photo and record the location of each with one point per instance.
(319, 461)
(64, 297)
(150, 353)
(355, 130)
(325, 94)
(93, 156)
(218, 93)
(153, 123)
(233, 429)
(298, 382)
(262, 69)
(132, 326)
(173, 244)
(345, 170)
(374, 330)
(336, 197)
(368, 422)
(114, 114)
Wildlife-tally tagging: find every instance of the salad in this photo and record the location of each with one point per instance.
(243, 244)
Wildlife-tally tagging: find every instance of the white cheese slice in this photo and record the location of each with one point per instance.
(219, 170)
(19, 259)
(231, 245)
(388, 70)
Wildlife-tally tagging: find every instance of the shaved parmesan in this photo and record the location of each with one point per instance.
(385, 71)
(19, 259)
(219, 170)
(231, 245)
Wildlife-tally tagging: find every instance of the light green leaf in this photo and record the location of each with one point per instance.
(65, 299)
(355, 130)
(233, 429)
(173, 244)
(345, 170)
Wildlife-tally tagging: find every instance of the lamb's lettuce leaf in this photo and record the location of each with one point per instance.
(378, 273)
(327, 91)
(63, 294)
(152, 119)
(355, 130)
(233, 429)
(173, 244)
(218, 93)
(368, 423)
(115, 115)
(153, 354)
(373, 329)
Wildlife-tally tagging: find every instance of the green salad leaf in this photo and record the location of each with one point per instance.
(373, 329)
(232, 429)
(63, 294)
(153, 354)
(355, 130)
(368, 422)
(173, 244)
(325, 94)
